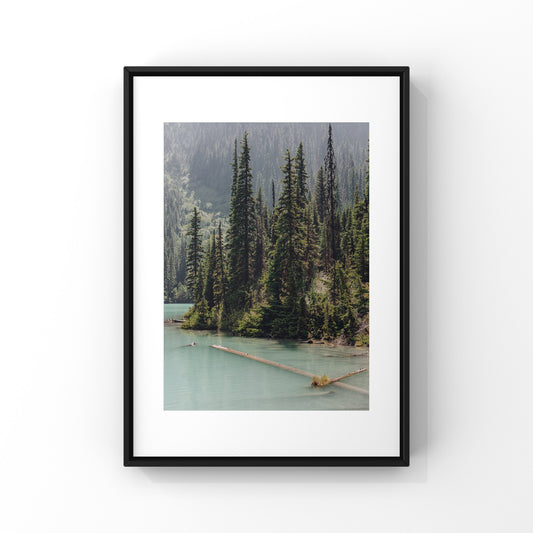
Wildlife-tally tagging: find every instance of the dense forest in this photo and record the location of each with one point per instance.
(285, 261)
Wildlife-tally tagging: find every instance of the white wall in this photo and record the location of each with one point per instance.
(61, 281)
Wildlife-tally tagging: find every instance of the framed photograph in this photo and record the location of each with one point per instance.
(266, 276)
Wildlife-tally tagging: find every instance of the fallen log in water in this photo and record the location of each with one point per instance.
(292, 369)
(324, 380)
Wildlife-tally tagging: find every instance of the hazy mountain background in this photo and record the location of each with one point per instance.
(198, 157)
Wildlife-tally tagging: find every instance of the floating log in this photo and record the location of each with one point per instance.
(261, 360)
(289, 368)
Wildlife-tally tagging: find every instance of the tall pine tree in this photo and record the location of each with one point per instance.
(301, 177)
(260, 234)
(286, 276)
(320, 194)
(195, 254)
(219, 276)
(241, 234)
(331, 215)
(210, 259)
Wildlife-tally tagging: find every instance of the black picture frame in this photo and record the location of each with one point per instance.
(130, 459)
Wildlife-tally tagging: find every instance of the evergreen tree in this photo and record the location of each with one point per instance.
(235, 172)
(259, 245)
(219, 276)
(360, 231)
(344, 316)
(331, 216)
(301, 178)
(241, 238)
(210, 259)
(233, 222)
(195, 254)
(247, 205)
(320, 194)
(323, 246)
(199, 287)
(233, 235)
(181, 266)
(286, 276)
(311, 248)
(170, 276)
(366, 179)
(272, 234)
(347, 244)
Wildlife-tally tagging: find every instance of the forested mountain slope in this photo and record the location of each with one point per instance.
(200, 155)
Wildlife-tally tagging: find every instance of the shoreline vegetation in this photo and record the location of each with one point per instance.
(319, 342)
(298, 270)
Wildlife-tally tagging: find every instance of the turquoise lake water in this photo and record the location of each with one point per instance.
(203, 378)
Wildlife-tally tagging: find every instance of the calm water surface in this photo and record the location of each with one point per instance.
(203, 378)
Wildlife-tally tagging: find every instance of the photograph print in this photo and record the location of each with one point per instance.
(266, 266)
